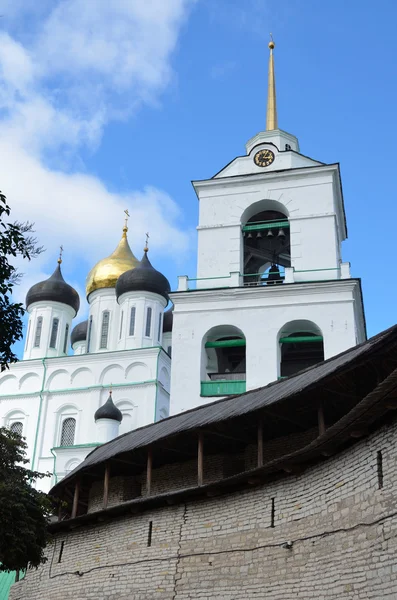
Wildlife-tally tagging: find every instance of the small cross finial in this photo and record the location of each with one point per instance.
(127, 214)
(110, 390)
(271, 43)
(146, 248)
(60, 254)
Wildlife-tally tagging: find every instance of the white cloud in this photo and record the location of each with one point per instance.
(66, 69)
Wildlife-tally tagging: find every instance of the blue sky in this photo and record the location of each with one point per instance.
(105, 106)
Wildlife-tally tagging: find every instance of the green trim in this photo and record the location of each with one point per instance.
(315, 270)
(266, 225)
(262, 278)
(301, 339)
(55, 466)
(36, 437)
(226, 343)
(81, 389)
(222, 388)
(207, 278)
(92, 445)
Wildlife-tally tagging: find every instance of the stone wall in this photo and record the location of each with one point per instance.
(342, 526)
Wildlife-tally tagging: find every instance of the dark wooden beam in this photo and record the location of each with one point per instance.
(200, 459)
(76, 499)
(149, 469)
(106, 481)
(225, 436)
(321, 418)
(260, 442)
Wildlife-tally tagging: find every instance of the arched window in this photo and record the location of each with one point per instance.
(17, 427)
(224, 366)
(89, 334)
(67, 431)
(160, 327)
(37, 337)
(54, 333)
(132, 321)
(266, 248)
(148, 322)
(65, 341)
(121, 324)
(301, 346)
(104, 329)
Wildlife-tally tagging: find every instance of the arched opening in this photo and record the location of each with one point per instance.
(301, 346)
(266, 243)
(224, 362)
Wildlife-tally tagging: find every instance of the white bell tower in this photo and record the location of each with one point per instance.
(272, 295)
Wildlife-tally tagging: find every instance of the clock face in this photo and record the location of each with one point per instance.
(264, 158)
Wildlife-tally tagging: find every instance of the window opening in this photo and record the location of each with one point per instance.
(379, 462)
(61, 551)
(149, 537)
(54, 333)
(68, 431)
(17, 427)
(132, 320)
(37, 336)
(105, 329)
(300, 350)
(148, 322)
(266, 248)
(160, 324)
(121, 324)
(65, 341)
(89, 334)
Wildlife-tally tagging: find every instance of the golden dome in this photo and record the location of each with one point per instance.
(108, 270)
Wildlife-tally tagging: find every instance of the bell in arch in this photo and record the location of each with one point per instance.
(281, 233)
(274, 275)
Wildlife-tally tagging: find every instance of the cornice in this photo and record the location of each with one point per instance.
(286, 290)
(248, 178)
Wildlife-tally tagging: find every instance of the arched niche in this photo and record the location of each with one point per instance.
(30, 382)
(164, 378)
(128, 410)
(8, 384)
(266, 243)
(137, 371)
(112, 374)
(59, 380)
(301, 346)
(82, 377)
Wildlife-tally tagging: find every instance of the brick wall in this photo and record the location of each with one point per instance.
(343, 529)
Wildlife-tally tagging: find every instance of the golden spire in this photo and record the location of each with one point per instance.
(125, 228)
(271, 113)
(59, 261)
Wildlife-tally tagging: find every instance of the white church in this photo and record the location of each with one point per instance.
(271, 297)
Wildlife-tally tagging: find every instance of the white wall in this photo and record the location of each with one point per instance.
(310, 198)
(260, 313)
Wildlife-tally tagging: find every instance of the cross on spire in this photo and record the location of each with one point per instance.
(146, 248)
(60, 254)
(127, 215)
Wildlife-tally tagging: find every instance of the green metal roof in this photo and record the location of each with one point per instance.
(6, 581)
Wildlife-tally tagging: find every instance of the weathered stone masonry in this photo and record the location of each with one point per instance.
(343, 530)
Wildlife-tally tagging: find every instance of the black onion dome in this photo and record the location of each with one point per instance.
(144, 278)
(79, 333)
(168, 320)
(109, 411)
(54, 289)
